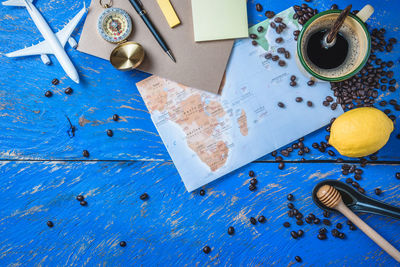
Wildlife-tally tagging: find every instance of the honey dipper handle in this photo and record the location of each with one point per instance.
(371, 233)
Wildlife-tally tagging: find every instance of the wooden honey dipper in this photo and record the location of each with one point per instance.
(331, 198)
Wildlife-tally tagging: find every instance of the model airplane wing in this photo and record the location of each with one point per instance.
(38, 49)
(64, 34)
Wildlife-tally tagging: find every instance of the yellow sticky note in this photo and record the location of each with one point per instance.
(169, 12)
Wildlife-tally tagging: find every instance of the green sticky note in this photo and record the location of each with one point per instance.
(219, 19)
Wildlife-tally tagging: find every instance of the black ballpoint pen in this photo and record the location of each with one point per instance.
(138, 6)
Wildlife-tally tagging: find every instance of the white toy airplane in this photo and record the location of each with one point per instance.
(53, 43)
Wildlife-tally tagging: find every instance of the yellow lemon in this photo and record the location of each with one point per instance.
(360, 132)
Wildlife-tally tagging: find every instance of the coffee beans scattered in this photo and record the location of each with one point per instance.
(122, 244)
(85, 153)
(50, 224)
(206, 249)
(55, 81)
(231, 230)
(303, 13)
(48, 94)
(144, 196)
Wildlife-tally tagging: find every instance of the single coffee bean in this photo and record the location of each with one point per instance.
(278, 19)
(300, 233)
(259, 7)
(50, 224)
(290, 197)
(260, 28)
(286, 224)
(299, 99)
(253, 36)
(397, 175)
(48, 94)
(68, 90)
(342, 235)
(361, 190)
(252, 174)
(253, 221)
(298, 259)
(231, 230)
(317, 221)
(270, 14)
(55, 81)
(275, 58)
(80, 197)
(281, 105)
(310, 83)
(290, 213)
(253, 181)
(261, 219)
(322, 230)
(122, 244)
(145, 196)
(268, 56)
(299, 216)
(272, 25)
(294, 234)
(358, 171)
(290, 205)
(115, 117)
(295, 211)
(287, 54)
(83, 203)
(282, 63)
(293, 83)
(355, 184)
(308, 220)
(378, 191)
(312, 216)
(309, 103)
(281, 165)
(331, 153)
(278, 158)
(85, 153)
(254, 42)
(352, 227)
(334, 6)
(206, 249)
(279, 40)
(202, 192)
(252, 187)
(321, 236)
(339, 226)
(110, 133)
(326, 214)
(357, 177)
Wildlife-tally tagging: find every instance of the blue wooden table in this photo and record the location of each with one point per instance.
(42, 171)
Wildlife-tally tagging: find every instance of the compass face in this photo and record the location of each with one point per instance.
(114, 25)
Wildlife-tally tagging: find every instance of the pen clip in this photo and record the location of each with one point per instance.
(140, 4)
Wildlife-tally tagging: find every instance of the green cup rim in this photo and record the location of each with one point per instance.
(337, 79)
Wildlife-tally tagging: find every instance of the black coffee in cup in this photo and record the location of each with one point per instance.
(327, 57)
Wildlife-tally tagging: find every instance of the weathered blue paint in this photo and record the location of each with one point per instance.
(34, 127)
(173, 225)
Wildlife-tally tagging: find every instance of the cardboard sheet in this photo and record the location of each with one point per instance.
(199, 65)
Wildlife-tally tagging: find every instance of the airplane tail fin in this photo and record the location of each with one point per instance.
(15, 2)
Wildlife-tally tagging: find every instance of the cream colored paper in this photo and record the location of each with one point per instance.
(219, 19)
(199, 65)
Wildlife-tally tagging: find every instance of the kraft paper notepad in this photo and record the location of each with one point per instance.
(219, 19)
(198, 65)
